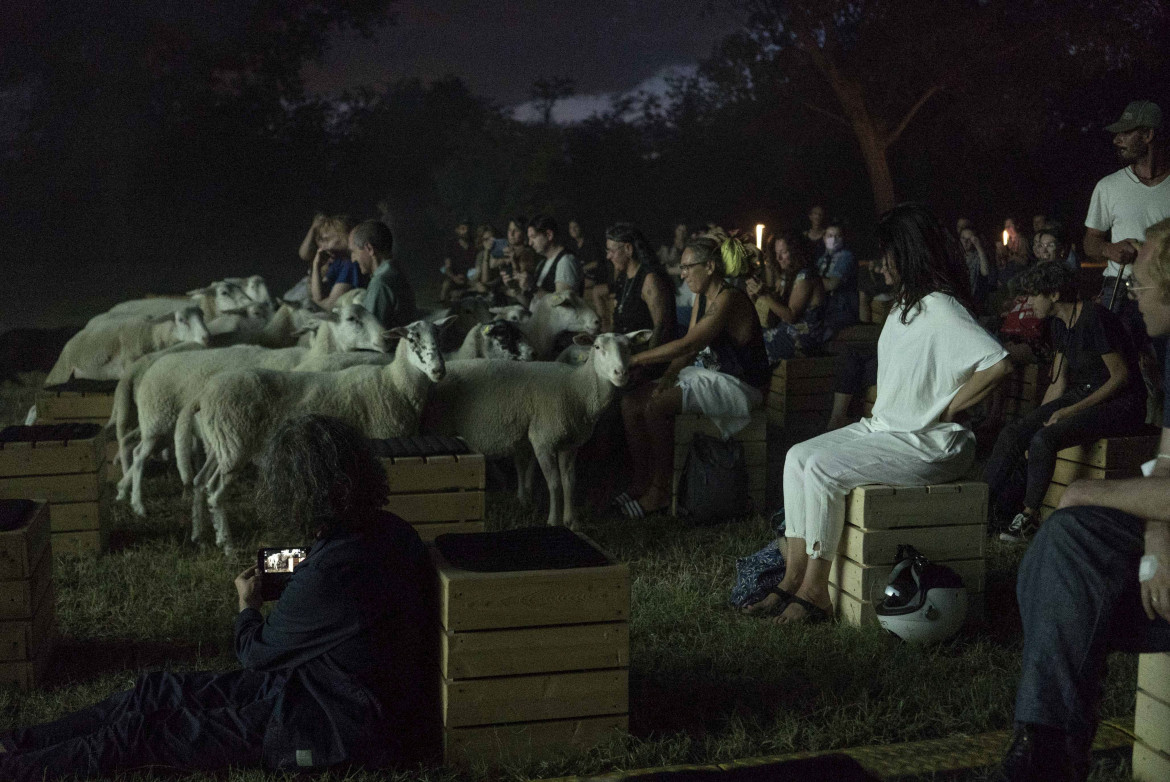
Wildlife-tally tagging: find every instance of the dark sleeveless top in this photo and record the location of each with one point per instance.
(748, 362)
(631, 312)
(549, 285)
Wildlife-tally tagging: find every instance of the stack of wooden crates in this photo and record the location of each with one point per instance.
(82, 402)
(946, 523)
(436, 483)
(755, 450)
(801, 393)
(65, 465)
(27, 625)
(1151, 724)
(1112, 457)
(534, 663)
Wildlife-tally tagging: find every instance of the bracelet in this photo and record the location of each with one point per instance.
(1163, 456)
(1148, 567)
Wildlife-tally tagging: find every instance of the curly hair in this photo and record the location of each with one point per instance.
(1045, 279)
(926, 256)
(319, 475)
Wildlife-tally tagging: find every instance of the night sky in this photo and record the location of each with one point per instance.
(500, 49)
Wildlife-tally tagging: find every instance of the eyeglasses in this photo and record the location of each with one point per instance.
(1131, 289)
(682, 267)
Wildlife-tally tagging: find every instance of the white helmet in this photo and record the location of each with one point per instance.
(925, 603)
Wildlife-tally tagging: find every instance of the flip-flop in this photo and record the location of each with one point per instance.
(776, 608)
(813, 613)
(620, 500)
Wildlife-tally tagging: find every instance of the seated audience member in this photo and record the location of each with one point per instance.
(331, 676)
(1096, 579)
(458, 259)
(389, 295)
(816, 230)
(518, 265)
(792, 308)
(590, 256)
(978, 267)
(934, 361)
(1011, 256)
(718, 368)
(838, 270)
(1052, 244)
(324, 248)
(670, 255)
(643, 290)
(1096, 392)
(485, 278)
(559, 270)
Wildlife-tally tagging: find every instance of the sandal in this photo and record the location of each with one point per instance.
(776, 608)
(620, 500)
(813, 613)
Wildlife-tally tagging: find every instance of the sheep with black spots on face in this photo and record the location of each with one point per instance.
(544, 408)
(237, 410)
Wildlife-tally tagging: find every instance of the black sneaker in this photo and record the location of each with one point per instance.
(1022, 528)
(1039, 753)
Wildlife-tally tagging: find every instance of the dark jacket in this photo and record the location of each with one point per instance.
(345, 640)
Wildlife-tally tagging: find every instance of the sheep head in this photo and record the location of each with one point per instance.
(257, 290)
(189, 326)
(500, 340)
(568, 312)
(356, 328)
(225, 296)
(610, 353)
(513, 313)
(422, 346)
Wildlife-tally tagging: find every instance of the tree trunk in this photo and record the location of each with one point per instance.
(873, 149)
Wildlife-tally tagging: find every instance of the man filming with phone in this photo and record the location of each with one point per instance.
(331, 677)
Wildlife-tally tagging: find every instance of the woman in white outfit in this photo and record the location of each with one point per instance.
(934, 361)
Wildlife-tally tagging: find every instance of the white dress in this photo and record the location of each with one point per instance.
(921, 366)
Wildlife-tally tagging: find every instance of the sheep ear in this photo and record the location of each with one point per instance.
(199, 291)
(445, 322)
(497, 310)
(398, 332)
(640, 337)
(584, 340)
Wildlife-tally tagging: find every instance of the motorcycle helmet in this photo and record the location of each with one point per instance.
(924, 603)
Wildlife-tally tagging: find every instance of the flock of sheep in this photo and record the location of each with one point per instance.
(209, 376)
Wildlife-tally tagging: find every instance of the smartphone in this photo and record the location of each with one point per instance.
(275, 568)
(498, 247)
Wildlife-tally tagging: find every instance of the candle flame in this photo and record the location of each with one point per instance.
(1005, 237)
(760, 235)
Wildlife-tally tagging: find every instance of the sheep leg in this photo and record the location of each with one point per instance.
(552, 476)
(142, 452)
(215, 496)
(126, 443)
(567, 462)
(198, 493)
(525, 465)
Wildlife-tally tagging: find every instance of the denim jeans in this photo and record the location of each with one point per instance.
(1079, 600)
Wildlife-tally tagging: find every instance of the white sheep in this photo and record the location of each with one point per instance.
(254, 286)
(351, 296)
(214, 300)
(498, 340)
(237, 410)
(554, 314)
(105, 351)
(168, 383)
(545, 408)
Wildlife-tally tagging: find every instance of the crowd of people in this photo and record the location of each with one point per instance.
(315, 690)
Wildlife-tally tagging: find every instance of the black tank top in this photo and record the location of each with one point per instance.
(549, 284)
(748, 362)
(630, 311)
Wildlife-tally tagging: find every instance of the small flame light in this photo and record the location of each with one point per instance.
(1005, 237)
(760, 235)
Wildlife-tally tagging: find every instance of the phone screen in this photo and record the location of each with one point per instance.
(275, 566)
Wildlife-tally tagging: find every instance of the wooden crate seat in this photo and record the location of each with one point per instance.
(79, 401)
(1024, 390)
(755, 446)
(946, 522)
(436, 483)
(534, 639)
(27, 615)
(801, 392)
(1111, 457)
(1151, 723)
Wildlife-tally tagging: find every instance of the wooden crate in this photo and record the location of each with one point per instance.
(533, 663)
(437, 494)
(945, 522)
(801, 392)
(1024, 389)
(1149, 765)
(22, 640)
(19, 597)
(21, 548)
(755, 445)
(1151, 724)
(1111, 457)
(62, 403)
(859, 334)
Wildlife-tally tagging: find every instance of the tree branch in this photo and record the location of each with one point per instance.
(827, 113)
(889, 140)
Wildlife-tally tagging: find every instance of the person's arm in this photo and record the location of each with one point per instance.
(336, 292)
(977, 387)
(842, 269)
(660, 304)
(1100, 249)
(698, 336)
(1118, 377)
(309, 243)
(831, 283)
(1057, 387)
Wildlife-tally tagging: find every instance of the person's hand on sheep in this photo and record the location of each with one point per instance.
(248, 589)
(665, 383)
(1156, 586)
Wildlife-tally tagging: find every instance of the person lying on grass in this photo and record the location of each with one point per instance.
(934, 361)
(331, 677)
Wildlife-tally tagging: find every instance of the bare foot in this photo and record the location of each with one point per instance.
(771, 602)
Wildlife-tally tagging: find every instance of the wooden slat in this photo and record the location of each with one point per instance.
(1114, 453)
(1149, 765)
(78, 487)
(1066, 472)
(1151, 722)
(818, 366)
(65, 405)
(24, 675)
(437, 506)
(868, 582)
(530, 741)
(1154, 674)
(886, 507)
(470, 655)
(19, 597)
(26, 639)
(74, 516)
(52, 457)
(880, 547)
(530, 698)
(21, 549)
(85, 542)
(493, 601)
(413, 475)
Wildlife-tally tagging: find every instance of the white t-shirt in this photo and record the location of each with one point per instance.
(922, 365)
(1126, 208)
(568, 271)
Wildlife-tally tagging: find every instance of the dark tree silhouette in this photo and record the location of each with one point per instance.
(546, 93)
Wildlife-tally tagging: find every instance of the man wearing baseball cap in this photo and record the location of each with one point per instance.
(1128, 201)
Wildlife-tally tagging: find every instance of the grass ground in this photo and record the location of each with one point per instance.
(706, 684)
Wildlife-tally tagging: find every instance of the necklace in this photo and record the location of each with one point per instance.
(621, 306)
(1078, 307)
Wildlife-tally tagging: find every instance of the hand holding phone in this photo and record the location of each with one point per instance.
(274, 567)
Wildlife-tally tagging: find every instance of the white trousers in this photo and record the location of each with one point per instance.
(820, 472)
